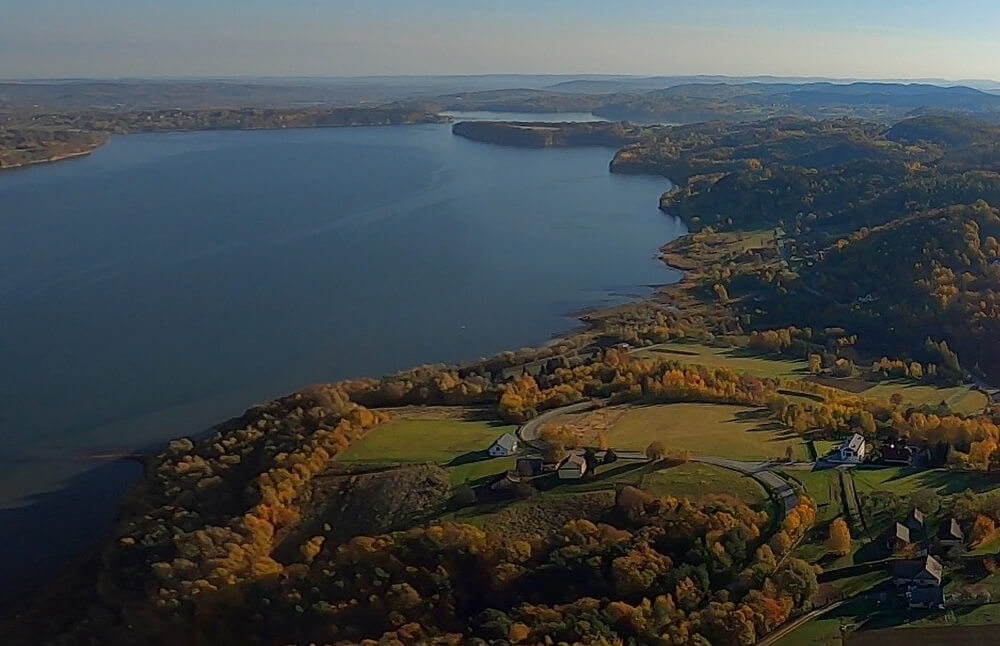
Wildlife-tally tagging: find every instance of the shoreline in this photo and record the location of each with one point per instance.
(54, 159)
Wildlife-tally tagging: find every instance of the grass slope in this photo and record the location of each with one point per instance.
(695, 481)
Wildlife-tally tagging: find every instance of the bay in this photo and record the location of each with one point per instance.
(169, 281)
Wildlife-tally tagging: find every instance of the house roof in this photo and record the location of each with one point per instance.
(951, 530)
(916, 516)
(928, 567)
(901, 532)
(506, 441)
(854, 442)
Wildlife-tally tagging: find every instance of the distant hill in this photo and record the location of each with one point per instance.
(942, 129)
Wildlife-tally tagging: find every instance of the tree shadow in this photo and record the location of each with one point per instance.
(750, 415)
(872, 551)
(470, 458)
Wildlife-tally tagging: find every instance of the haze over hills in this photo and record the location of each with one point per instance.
(296, 91)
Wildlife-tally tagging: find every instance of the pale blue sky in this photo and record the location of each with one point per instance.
(174, 38)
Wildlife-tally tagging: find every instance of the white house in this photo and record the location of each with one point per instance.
(504, 446)
(854, 449)
(573, 468)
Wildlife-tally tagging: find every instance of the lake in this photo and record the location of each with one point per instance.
(169, 281)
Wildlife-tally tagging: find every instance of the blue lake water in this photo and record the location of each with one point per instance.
(169, 281)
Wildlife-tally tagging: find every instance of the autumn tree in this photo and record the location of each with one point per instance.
(656, 451)
(983, 529)
(839, 541)
(815, 364)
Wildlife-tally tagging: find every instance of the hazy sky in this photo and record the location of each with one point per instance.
(174, 38)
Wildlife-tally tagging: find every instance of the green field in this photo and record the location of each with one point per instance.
(961, 399)
(740, 360)
(705, 429)
(459, 445)
(694, 481)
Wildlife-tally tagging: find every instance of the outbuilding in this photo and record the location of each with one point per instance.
(573, 468)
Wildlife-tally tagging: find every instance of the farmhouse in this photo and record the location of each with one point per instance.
(573, 468)
(854, 449)
(504, 446)
(925, 572)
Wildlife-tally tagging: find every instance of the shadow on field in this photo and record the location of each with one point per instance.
(469, 458)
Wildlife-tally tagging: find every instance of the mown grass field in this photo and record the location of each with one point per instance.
(695, 481)
(705, 429)
(740, 360)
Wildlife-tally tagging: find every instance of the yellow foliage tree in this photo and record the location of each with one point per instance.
(839, 541)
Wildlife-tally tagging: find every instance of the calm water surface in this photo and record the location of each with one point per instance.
(169, 281)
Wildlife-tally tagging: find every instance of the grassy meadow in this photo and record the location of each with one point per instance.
(735, 432)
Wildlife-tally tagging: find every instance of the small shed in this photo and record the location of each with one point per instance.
(573, 468)
(531, 465)
(504, 446)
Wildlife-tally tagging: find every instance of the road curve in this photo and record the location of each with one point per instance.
(529, 430)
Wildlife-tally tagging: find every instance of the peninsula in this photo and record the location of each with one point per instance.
(40, 137)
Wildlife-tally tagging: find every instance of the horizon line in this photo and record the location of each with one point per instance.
(577, 76)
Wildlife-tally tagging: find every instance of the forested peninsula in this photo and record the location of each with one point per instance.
(39, 137)
(842, 281)
(551, 135)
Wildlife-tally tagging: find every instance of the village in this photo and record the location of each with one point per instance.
(912, 552)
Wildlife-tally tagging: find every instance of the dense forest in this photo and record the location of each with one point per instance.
(887, 232)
